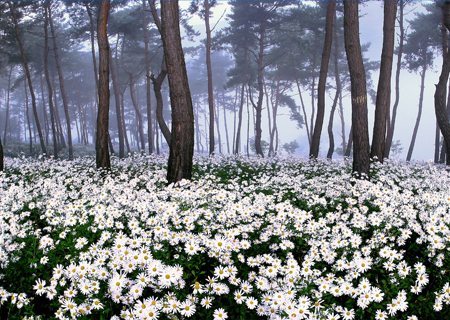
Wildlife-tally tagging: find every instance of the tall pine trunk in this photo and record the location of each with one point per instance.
(116, 89)
(384, 82)
(361, 148)
(182, 138)
(315, 143)
(7, 104)
(210, 82)
(28, 75)
(147, 82)
(101, 143)
(61, 84)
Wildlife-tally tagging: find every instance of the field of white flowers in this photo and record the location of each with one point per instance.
(280, 238)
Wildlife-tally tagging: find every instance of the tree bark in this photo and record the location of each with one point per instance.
(157, 83)
(147, 82)
(338, 82)
(315, 143)
(28, 75)
(419, 115)
(210, 82)
(241, 104)
(440, 94)
(61, 85)
(258, 130)
(28, 118)
(384, 82)
(101, 143)
(361, 148)
(330, 126)
(390, 134)
(182, 138)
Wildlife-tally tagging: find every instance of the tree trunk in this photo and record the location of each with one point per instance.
(225, 122)
(384, 82)
(308, 133)
(338, 82)
(61, 85)
(27, 72)
(7, 104)
(258, 130)
(182, 138)
(28, 118)
(440, 94)
(361, 148)
(210, 83)
(59, 127)
(419, 115)
(157, 83)
(44, 111)
(330, 126)
(217, 120)
(116, 88)
(390, 134)
(147, 82)
(101, 143)
(49, 84)
(444, 53)
(315, 143)
(241, 104)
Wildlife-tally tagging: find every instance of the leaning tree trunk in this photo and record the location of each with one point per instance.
(315, 143)
(27, 72)
(61, 85)
(101, 143)
(182, 139)
(210, 82)
(361, 148)
(330, 125)
(384, 82)
(440, 94)
(28, 118)
(419, 115)
(390, 134)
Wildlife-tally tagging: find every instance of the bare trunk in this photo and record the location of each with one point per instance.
(241, 104)
(101, 144)
(116, 88)
(258, 130)
(302, 103)
(330, 126)
(419, 115)
(361, 148)
(225, 122)
(157, 83)
(338, 83)
(61, 85)
(147, 82)
(210, 82)
(182, 137)
(27, 72)
(49, 84)
(315, 143)
(7, 104)
(28, 117)
(390, 134)
(384, 82)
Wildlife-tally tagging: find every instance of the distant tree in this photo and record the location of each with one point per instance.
(384, 82)
(361, 148)
(101, 145)
(291, 147)
(182, 139)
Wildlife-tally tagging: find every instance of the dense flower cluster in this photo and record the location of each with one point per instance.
(276, 238)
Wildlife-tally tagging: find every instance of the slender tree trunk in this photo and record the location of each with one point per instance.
(147, 82)
(182, 138)
(61, 85)
(101, 144)
(419, 115)
(27, 72)
(338, 82)
(217, 120)
(7, 104)
(349, 146)
(315, 143)
(28, 117)
(2, 165)
(313, 86)
(157, 83)
(241, 104)
(258, 130)
(122, 110)
(361, 149)
(59, 127)
(273, 139)
(225, 122)
(444, 54)
(302, 103)
(116, 88)
(384, 82)
(210, 82)
(330, 126)
(49, 84)
(44, 112)
(390, 134)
